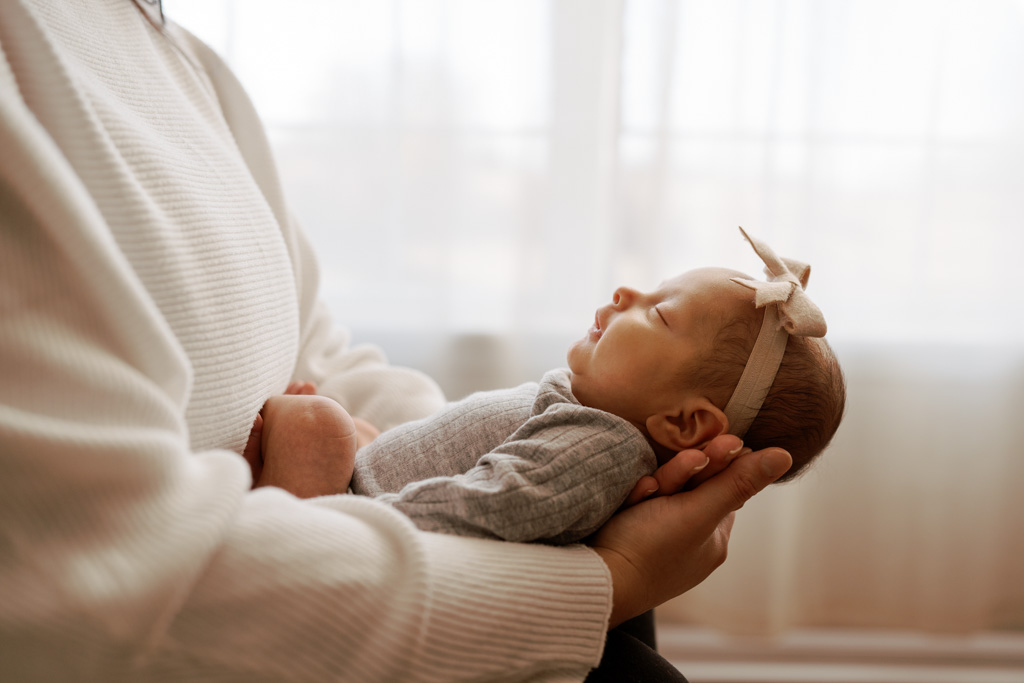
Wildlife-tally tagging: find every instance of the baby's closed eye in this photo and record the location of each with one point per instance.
(661, 316)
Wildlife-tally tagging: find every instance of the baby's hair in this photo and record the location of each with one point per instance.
(806, 401)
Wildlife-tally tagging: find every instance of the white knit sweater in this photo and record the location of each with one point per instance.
(154, 291)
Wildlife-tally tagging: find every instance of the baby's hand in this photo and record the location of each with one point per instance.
(300, 389)
(253, 452)
(253, 449)
(365, 432)
(308, 445)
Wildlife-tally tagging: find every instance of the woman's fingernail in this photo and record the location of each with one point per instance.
(698, 468)
(736, 450)
(649, 493)
(774, 463)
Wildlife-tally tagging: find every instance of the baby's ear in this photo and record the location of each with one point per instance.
(691, 426)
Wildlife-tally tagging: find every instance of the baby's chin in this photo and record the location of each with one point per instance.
(579, 391)
(574, 354)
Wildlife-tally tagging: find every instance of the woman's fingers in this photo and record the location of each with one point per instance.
(721, 452)
(687, 469)
(670, 478)
(673, 476)
(748, 474)
(661, 548)
(645, 488)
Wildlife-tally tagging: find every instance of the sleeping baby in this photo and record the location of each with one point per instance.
(709, 352)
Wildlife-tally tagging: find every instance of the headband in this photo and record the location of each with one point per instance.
(788, 311)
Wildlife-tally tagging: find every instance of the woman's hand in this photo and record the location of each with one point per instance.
(660, 548)
(688, 469)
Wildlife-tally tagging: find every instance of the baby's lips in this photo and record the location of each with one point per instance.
(597, 330)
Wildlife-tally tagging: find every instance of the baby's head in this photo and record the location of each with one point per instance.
(670, 361)
(804, 404)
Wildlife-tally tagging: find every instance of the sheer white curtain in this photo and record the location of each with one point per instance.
(479, 175)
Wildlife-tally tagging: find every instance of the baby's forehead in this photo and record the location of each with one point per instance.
(710, 298)
(712, 281)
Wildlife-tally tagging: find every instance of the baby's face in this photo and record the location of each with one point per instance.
(631, 360)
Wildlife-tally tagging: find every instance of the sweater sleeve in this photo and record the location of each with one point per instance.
(124, 555)
(557, 479)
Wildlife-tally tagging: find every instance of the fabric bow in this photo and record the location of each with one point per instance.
(787, 280)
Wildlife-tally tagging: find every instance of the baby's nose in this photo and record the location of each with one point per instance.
(624, 296)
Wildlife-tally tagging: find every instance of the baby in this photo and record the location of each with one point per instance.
(709, 352)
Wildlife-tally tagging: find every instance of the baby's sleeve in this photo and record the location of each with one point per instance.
(557, 479)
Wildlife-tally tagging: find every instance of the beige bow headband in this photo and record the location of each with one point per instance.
(788, 311)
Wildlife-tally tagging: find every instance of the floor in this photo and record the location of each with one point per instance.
(822, 656)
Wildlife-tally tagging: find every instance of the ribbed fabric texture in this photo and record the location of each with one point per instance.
(153, 293)
(523, 464)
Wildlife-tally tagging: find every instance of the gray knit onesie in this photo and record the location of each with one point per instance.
(522, 464)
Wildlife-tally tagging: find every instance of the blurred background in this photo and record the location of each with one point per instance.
(478, 177)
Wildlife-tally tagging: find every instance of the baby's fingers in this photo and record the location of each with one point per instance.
(301, 389)
(252, 452)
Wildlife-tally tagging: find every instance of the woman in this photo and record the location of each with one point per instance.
(154, 291)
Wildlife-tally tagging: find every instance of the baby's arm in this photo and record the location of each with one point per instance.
(557, 479)
(308, 445)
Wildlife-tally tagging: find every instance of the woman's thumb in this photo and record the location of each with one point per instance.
(743, 479)
(775, 462)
